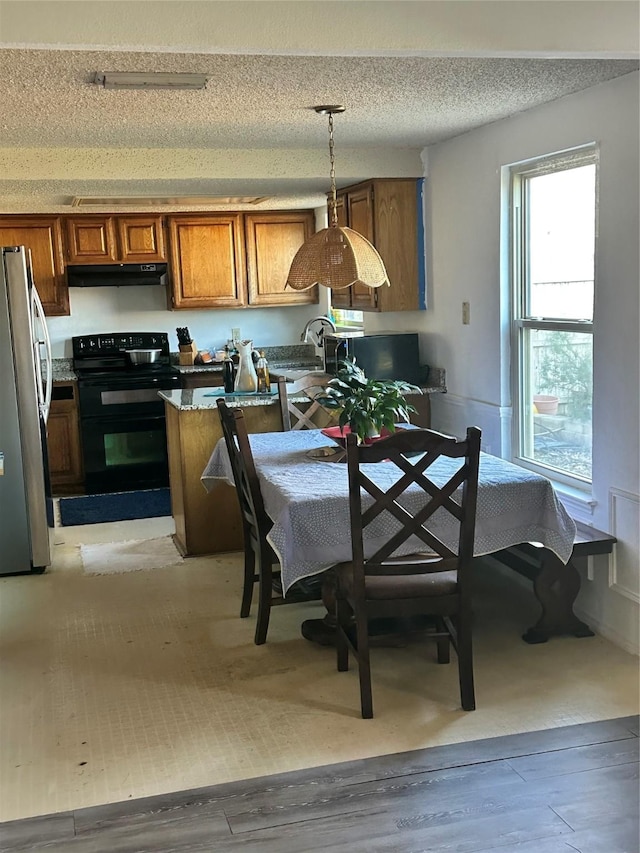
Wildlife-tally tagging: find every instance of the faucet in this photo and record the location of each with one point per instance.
(324, 322)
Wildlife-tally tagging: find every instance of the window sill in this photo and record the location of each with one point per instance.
(579, 504)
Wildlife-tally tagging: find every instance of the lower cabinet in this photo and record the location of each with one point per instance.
(206, 522)
(201, 379)
(63, 440)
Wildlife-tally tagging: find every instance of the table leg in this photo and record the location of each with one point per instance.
(323, 631)
(556, 588)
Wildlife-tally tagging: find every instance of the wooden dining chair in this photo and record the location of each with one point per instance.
(259, 558)
(312, 416)
(436, 583)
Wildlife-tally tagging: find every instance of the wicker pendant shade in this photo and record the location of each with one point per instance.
(336, 257)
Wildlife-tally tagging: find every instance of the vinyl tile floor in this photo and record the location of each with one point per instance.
(121, 686)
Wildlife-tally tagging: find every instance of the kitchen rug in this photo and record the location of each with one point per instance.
(115, 506)
(134, 555)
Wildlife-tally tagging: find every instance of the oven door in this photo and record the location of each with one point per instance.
(125, 453)
(124, 395)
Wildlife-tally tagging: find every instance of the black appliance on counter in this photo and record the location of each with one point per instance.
(122, 420)
(382, 355)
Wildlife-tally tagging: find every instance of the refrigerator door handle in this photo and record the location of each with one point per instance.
(44, 393)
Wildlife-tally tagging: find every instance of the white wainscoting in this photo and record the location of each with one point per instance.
(452, 414)
(624, 518)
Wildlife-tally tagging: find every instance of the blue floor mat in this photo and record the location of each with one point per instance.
(116, 506)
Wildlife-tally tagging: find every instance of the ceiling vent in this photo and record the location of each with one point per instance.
(160, 201)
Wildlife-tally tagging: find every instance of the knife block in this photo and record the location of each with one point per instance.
(187, 354)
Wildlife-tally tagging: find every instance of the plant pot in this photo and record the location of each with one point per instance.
(546, 404)
(339, 434)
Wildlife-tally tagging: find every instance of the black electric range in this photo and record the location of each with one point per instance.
(122, 420)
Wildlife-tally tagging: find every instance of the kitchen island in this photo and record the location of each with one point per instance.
(207, 523)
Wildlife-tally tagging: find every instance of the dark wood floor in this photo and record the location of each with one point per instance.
(557, 791)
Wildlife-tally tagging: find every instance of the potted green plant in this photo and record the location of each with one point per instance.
(367, 405)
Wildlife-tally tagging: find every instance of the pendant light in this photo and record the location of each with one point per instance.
(336, 257)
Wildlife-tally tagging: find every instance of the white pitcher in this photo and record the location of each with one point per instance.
(246, 377)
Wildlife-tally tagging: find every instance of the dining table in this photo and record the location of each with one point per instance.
(306, 495)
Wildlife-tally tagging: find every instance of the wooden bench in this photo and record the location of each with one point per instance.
(555, 585)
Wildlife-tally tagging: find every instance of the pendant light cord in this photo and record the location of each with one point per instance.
(332, 176)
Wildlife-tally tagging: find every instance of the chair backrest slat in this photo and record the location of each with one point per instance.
(413, 499)
(293, 417)
(245, 477)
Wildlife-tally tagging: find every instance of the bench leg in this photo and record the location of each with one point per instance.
(556, 588)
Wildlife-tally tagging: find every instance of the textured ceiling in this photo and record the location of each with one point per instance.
(261, 103)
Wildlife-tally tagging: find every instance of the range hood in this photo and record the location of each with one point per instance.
(116, 275)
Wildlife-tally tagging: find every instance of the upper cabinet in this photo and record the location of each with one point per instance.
(43, 235)
(272, 240)
(103, 239)
(357, 209)
(388, 212)
(236, 260)
(207, 261)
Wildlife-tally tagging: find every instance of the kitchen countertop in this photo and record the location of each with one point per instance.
(274, 366)
(433, 384)
(197, 399)
(288, 366)
(289, 355)
(62, 370)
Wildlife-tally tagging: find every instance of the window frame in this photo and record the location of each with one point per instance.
(521, 319)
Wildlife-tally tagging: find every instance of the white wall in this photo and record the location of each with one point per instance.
(144, 309)
(465, 219)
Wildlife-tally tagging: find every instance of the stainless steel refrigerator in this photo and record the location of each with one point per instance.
(26, 508)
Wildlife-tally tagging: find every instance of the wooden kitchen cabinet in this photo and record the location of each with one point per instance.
(235, 260)
(63, 440)
(201, 379)
(208, 267)
(104, 239)
(272, 240)
(388, 212)
(43, 235)
(206, 522)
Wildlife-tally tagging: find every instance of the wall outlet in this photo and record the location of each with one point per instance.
(235, 334)
(466, 314)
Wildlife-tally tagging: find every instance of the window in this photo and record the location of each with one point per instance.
(349, 320)
(554, 202)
